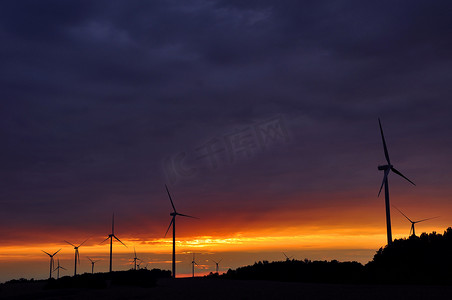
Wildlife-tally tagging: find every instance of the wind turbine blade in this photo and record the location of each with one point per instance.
(220, 260)
(400, 174)
(384, 143)
(285, 255)
(426, 219)
(411, 229)
(402, 213)
(78, 257)
(186, 216)
(172, 204)
(134, 252)
(119, 241)
(47, 253)
(63, 268)
(385, 177)
(215, 261)
(56, 252)
(113, 224)
(171, 223)
(104, 240)
(89, 259)
(70, 243)
(83, 242)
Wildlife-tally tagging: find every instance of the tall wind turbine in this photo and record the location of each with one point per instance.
(135, 258)
(111, 236)
(216, 265)
(92, 264)
(173, 223)
(51, 261)
(58, 269)
(193, 263)
(387, 168)
(413, 222)
(77, 255)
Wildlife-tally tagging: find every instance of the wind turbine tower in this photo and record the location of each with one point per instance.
(135, 258)
(77, 255)
(413, 222)
(216, 265)
(387, 168)
(111, 236)
(58, 269)
(51, 261)
(92, 264)
(173, 223)
(193, 263)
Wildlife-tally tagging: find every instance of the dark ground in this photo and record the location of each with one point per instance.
(211, 288)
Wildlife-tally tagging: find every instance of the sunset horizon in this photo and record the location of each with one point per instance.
(275, 123)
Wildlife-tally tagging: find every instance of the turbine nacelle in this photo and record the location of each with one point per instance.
(384, 167)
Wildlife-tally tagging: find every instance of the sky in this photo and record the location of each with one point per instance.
(260, 116)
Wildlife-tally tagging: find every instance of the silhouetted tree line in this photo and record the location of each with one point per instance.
(297, 270)
(142, 278)
(424, 259)
(417, 260)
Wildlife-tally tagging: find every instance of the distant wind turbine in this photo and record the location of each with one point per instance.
(173, 223)
(387, 168)
(216, 265)
(287, 257)
(58, 269)
(111, 236)
(193, 263)
(51, 261)
(135, 258)
(413, 222)
(92, 264)
(77, 255)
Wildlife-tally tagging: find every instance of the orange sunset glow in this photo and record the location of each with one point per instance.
(253, 129)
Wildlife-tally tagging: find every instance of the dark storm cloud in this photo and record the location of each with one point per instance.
(95, 95)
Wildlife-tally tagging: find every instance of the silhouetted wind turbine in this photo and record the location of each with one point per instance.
(173, 223)
(193, 263)
(135, 258)
(387, 168)
(111, 236)
(92, 264)
(58, 269)
(77, 255)
(216, 265)
(51, 260)
(287, 257)
(413, 222)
